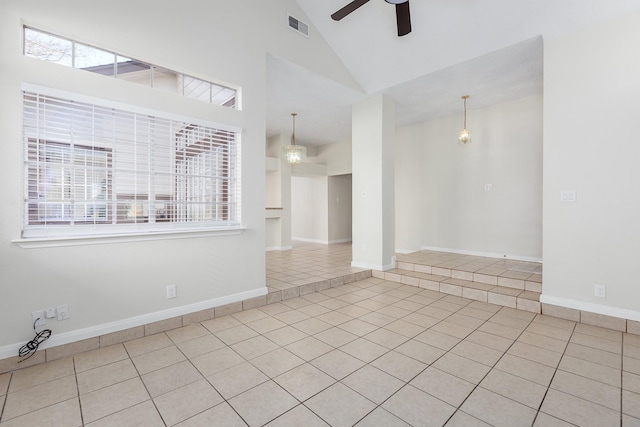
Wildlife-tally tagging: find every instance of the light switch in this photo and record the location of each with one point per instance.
(568, 196)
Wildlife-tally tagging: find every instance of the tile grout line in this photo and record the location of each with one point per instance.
(622, 381)
(555, 371)
(6, 397)
(142, 381)
(431, 364)
(491, 368)
(256, 367)
(421, 371)
(75, 376)
(336, 348)
(376, 405)
(389, 350)
(204, 377)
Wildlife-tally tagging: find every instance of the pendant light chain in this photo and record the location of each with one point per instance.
(465, 136)
(465, 110)
(293, 135)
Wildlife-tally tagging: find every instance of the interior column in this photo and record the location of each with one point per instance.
(373, 159)
(278, 192)
(285, 196)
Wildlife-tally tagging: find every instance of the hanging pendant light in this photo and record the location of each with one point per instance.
(465, 135)
(294, 154)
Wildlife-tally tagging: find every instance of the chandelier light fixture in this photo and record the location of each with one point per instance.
(294, 154)
(465, 136)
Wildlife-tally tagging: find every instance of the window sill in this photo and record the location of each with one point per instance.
(52, 242)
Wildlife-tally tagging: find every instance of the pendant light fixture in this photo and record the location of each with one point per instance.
(465, 136)
(294, 154)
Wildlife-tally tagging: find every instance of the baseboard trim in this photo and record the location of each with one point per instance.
(333, 242)
(368, 266)
(304, 239)
(406, 251)
(606, 310)
(11, 350)
(321, 242)
(278, 248)
(483, 254)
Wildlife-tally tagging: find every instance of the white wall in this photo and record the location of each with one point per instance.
(410, 168)
(273, 191)
(591, 146)
(109, 284)
(321, 208)
(309, 209)
(327, 174)
(339, 208)
(440, 184)
(336, 156)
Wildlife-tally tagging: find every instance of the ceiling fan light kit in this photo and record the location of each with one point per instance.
(403, 16)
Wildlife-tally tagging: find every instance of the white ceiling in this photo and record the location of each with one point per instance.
(491, 50)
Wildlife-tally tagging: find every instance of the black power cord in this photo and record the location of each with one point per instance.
(30, 348)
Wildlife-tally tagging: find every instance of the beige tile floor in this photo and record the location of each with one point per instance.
(369, 353)
(308, 263)
(472, 263)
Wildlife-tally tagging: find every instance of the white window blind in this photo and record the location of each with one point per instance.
(95, 170)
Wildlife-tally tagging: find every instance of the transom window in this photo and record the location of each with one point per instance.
(91, 169)
(52, 48)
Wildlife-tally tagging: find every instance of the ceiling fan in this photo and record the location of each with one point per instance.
(403, 18)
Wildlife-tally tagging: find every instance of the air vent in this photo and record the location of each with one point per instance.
(298, 26)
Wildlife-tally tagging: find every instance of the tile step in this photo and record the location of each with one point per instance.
(510, 295)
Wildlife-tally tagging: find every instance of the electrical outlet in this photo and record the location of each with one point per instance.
(171, 291)
(63, 312)
(37, 319)
(599, 291)
(50, 313)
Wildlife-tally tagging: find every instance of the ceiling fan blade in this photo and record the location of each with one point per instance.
(348, 9)
(403, 18)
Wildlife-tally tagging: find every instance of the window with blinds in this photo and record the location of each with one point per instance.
(91, 169)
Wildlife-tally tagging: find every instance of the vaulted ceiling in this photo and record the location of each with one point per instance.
(491, 50)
